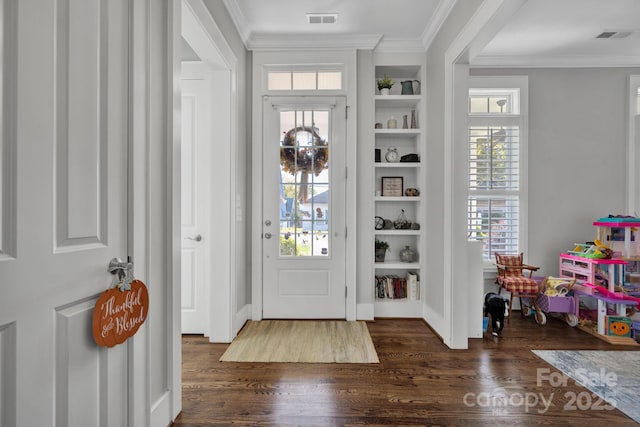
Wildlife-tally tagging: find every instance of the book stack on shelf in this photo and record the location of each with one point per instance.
(392, 286)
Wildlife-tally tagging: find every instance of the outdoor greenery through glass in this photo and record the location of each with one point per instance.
(493, 212)
(304, 183)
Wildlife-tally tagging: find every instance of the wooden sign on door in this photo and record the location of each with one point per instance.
(118, 314)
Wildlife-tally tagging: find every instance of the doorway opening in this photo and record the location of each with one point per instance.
(207, 165)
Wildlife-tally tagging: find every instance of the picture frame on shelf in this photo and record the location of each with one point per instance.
(392, 186)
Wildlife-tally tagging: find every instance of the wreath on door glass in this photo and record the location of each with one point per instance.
(303, 159)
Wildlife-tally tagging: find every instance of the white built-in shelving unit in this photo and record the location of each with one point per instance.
(407, 141)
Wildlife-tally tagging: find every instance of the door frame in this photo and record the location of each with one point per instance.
(262, 60)
(203, 35)
(273, 106)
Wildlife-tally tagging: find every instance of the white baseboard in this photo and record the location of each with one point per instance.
(240, 319)
(436, 322)
(161, 411)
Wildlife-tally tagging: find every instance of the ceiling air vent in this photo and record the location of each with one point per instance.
(614, 34)
(322, 18)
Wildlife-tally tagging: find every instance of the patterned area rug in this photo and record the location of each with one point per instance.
(302, 341)
(614, 376)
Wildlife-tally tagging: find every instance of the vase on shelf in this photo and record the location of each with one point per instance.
(380, 255)
(384, 91)
(413, 119)
(407, 254)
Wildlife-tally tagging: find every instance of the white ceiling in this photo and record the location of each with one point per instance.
(361, 23)
(563, 33)
(540, 33)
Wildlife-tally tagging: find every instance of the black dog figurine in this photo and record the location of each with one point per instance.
(498, 308)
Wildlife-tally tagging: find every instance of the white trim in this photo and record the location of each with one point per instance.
(586, 61)
(454, 248)
(306, 42)
(261, 62)
(203, 34)
(238, 19)
(633, 148)
(240, 318)
(161, 410)
(521, 120)
(197, 18)
(437, 323)
(398, 45)
(172, 116)
(138, 351)
(437, 20)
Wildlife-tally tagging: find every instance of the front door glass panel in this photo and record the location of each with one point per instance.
(305, 205)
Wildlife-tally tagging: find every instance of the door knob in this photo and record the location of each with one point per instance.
(198, 238)
(267, 235)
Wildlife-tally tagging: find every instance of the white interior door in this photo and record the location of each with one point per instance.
(304, 227)
(64, 209)
(196, 196)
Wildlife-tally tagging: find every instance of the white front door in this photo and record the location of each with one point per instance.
(196, 197)
(303, 220)
(63, 210)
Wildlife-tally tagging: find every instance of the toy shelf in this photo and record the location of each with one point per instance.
(602, 312)
(620, 235)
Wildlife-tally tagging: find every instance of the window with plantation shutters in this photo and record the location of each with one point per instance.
(495, 155)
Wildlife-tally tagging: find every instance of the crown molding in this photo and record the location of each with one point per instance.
(393, 45)
(435, 23)
(238, 19)
(581, 61)
(312, 41)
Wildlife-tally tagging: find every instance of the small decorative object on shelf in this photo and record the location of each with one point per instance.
(392, 123)
(378, 126)
(407, 87)
(401, 223)
(407, 254)
(378, 155)
(392, 155)
(381, 250)
(414, 125)
(410, 158)
(392, 186)
(412, 192)
(379, 223)
(385, 84)
(416, 87)
(405, 123)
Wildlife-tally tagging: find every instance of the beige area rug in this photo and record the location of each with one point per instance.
(302, 341)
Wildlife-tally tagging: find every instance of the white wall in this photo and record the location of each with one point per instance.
(241, 171)
(365, 185)
(435, 162)
(577, 154)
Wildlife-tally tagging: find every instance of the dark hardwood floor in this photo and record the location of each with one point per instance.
(417, 382)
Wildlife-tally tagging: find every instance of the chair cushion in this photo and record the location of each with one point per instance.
(520, 284)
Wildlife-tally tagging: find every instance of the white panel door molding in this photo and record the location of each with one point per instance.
(197, 199)
(69, 186)
(8, 75)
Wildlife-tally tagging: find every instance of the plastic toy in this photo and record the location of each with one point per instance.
(607, 293)
(553, 297)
